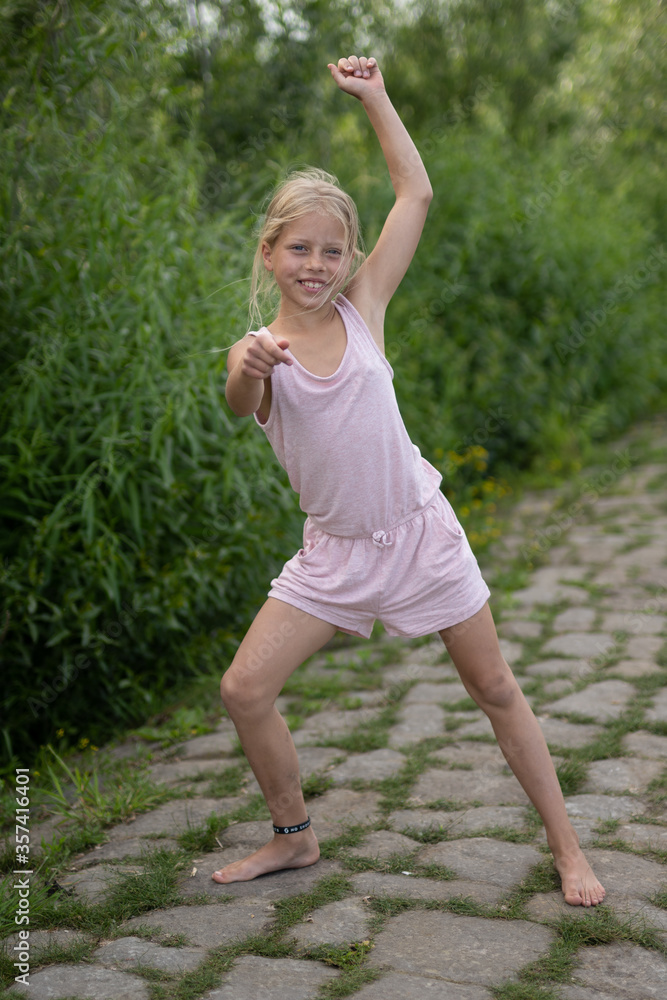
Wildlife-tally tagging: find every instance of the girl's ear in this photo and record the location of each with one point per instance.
(266, 256)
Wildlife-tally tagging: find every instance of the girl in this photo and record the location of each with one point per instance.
(380, 540)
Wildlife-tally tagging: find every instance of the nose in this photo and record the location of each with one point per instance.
(314, 263)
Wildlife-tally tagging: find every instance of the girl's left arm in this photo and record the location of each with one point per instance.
(372, 287)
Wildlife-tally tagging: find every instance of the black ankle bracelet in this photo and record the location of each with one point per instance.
(292, 829)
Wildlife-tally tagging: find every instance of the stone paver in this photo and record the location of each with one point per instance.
(372, 766)
(130, 952)
(208, 926)
(383, 844)
(257, 978)
(458, 821)
(426, 693)
(342, 807)
(468, 786)
(212, 745)
(42, 941)
(602, 701)
(574, 619)
(459, 850)
(93, 982)
(601, 807)
(397, 986)
(330, 724)
(558, 666)
(629, 669)
(645, 744)
(583, 644)
(416, 722)
(183, 770)
(313, 760)
(619, 971)
(458, 948)
(117, 849)
(335, 924)
(658, 713)
(621, 775)
(473, 756)
(494, 861)
(559, 733)
(643, 835)
(376, 885)
(172, 817)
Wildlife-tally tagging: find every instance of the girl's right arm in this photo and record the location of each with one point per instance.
(250, 362)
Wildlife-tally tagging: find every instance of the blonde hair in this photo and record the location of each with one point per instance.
(301, 192)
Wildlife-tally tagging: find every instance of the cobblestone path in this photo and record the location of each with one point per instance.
(434, 880)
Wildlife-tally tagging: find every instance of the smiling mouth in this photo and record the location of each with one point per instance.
(313, 285)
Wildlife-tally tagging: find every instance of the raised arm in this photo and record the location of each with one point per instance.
(372, 287)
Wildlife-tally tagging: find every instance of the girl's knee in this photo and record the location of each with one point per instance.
(496, 689)
(235, 695)
(241, 696)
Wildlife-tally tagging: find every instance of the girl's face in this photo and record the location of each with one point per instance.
(308, 261)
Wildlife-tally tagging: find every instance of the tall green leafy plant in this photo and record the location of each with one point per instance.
(129, 546)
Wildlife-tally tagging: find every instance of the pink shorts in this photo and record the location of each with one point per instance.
(416, 578)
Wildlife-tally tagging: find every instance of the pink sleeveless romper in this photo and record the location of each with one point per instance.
(380, 540)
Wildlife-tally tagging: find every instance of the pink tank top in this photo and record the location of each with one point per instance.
(343, 443)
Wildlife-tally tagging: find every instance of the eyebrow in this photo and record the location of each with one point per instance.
(329, 243)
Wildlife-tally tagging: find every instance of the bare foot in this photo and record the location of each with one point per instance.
(580, 886)
(286, 850)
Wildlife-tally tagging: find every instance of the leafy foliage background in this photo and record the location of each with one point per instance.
(141, 520)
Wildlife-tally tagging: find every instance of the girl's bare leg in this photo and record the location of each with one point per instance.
(473, 646)
(278, 641)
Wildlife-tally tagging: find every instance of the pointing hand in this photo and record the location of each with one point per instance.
(263, 354)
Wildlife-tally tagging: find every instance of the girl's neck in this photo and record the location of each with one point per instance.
(303, 323)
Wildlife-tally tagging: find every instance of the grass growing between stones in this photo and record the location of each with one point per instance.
(153, 886)
(99, 796)
(350, 981)
(229, 781)
(297, 908)
(523, 991)
(334, 846)
(372, 736)
(571, 775)
(203, 838)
